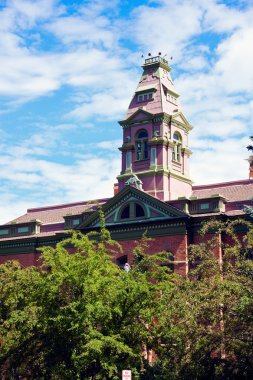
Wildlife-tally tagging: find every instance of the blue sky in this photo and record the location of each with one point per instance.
(69, 68)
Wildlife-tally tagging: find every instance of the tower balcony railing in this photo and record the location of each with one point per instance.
(157, 59)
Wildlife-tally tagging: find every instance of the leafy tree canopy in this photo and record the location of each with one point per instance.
(78, 316)
(207, 330)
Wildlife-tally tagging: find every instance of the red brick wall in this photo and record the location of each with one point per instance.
(25, 259)
(197, 239)
(176, 244)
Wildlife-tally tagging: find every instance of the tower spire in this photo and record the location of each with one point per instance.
(155, 135)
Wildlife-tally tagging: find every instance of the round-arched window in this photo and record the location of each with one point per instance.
(141, 145)
(139, 211)
(142, 134)
(125, 213)
(177, 136)
(132, 210)
(177, 147)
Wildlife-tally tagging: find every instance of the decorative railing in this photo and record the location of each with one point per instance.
(151, 60)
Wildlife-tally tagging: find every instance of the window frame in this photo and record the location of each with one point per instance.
(23, 230)
(132, 211)
(177, 147)
(141, 145)
(145, 97)
(171, 98)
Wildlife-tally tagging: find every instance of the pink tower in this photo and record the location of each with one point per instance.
(155, 136)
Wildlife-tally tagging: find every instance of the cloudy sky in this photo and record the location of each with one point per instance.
(69, 68)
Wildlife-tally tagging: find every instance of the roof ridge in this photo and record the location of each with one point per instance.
(222, 184)
(65, 205)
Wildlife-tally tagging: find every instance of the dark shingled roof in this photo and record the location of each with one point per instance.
(232, 191)
(55, 214)
(236, 193)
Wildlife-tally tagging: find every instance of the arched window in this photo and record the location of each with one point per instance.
(131, 211)
(177, 147)
(121, 261)
(141, 145)
(139, 211)
(125, 213)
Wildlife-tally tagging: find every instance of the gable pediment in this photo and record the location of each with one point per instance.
(139, 206)
(139, 115)
(180, 119)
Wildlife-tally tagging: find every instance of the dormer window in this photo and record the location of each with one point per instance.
(141, 145)
(204, 206)
(144, 97)
(72, 221)
(18, 229)
(4, 231)
(171, 98)
(23, 230)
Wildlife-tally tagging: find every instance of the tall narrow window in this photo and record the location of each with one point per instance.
(177, 147)
(128, 160)
(141, 145)
(153, 160)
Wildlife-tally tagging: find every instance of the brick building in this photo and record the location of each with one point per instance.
(154, 193)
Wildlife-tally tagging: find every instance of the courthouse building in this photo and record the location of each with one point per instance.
(154, 191)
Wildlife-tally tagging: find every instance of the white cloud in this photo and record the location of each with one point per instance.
(217, 83)
(221, 18)
(235, 63)
(110, 145)
(108, 106)
(91, 59)
(49, 182)
(79, 29)
(220, 161)
(21, 14)
(166, 28)
(27, 71)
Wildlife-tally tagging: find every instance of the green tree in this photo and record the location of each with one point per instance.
(78, 316)
(207, 330)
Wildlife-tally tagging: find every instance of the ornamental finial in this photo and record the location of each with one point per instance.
(134, 181)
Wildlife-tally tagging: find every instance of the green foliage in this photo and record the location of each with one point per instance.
(248, 210)
(207, 330)
(78, 316)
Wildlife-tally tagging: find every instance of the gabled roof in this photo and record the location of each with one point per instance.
(154, 209)
(232, 191)
(56, 213)
(139, 112)
(148, 87)
(181, 120)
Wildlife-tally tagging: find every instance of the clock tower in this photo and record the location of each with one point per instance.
(155, 136)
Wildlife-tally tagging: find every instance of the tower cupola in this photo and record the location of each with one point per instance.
(155, 135)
